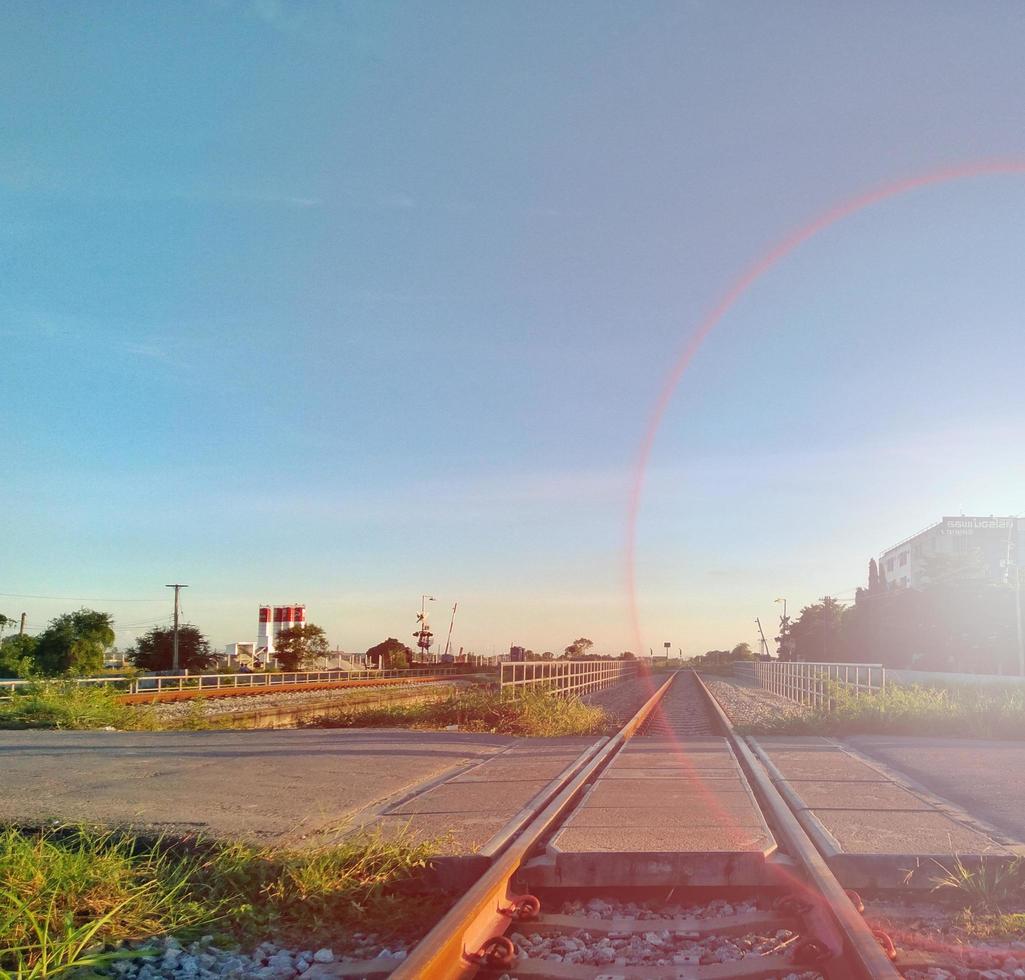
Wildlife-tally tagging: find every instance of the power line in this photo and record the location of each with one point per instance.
(70, 598)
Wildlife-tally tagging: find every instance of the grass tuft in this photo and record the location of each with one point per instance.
(988, 887)
(69, 896)
(969, 712)
(536, 713)
(65, 704)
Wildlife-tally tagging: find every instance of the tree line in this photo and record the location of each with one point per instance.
(718, 658)
(76, 644)
(960, 620)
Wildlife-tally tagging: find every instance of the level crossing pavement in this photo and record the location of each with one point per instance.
(668, 810)
(876, 825)
(877, 806)
(269, 786)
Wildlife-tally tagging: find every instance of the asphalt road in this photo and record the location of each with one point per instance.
(272, 786)
(984, 777)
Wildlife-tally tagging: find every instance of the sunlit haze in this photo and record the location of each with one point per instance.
(345, 304)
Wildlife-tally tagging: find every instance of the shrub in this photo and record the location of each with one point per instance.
(973, 712)
(65, 704)
(534, 712)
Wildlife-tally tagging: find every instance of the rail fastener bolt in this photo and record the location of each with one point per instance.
(498, 952)
(523, 909)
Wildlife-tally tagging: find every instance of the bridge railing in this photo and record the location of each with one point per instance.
(813, 683)
(565, 676)
(160, 683)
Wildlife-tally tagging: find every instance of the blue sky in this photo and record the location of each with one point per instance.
(343, 303)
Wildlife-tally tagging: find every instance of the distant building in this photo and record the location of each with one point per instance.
(996, 541)
(272, 620)
(517, 654)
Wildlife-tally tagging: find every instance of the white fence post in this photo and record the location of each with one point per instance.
(812, 684)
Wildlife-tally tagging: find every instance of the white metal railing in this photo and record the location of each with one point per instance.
(566, 676)
(188, 682)
(745, 669)
(812, 683)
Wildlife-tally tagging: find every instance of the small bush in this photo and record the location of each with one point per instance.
(538, 713)
(65, 704)
(969, 712)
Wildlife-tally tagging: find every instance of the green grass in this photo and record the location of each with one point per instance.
(538, 713)
(968, 712)
(69, 896)
(992, 925)
(65, 704)
(993, 895)
(990, 887)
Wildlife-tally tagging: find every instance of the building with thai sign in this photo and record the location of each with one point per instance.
(996, 542)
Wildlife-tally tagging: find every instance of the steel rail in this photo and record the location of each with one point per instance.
(454, 948)
(862, 954)
(269, 690)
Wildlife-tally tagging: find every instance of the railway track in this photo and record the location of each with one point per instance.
(197, 693)
(804, 926)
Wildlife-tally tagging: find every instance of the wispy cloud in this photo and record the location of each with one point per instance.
(126, 339)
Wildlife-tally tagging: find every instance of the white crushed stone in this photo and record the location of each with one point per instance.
(657, 947)
(747, 704)
(166, 958)
(622, 701)
(241, 704)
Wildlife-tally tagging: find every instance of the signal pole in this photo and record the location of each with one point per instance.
(174, 656)
(424, 634)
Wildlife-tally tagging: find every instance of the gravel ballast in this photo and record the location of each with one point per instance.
(747, 704)
(244, 704)
(659, 946)
(167, 957)
(622, 701)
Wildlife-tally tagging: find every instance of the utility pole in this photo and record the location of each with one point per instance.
(761, 633)
(21, 631)
(1017, 611)
(448, 642)
(177, 608)
(1015, 565)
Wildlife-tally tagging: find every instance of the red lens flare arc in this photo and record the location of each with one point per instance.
(783, 248)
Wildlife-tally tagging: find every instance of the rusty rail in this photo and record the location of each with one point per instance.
(471, 935)
(860, 952)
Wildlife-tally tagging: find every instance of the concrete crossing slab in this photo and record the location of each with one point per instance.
(462, 815)
(666, 812)
(874, 828)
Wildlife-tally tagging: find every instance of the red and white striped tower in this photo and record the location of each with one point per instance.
(264, 635)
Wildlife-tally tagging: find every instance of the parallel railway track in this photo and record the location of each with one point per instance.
(195, 693)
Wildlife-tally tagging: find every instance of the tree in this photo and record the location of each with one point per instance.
(297, 646)
(75, 643)
(873, 576)
(390, 654)
(578, 648)
(155, 650)
(17, 655)
(816, 633)
(742, 651)
(626, 655)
